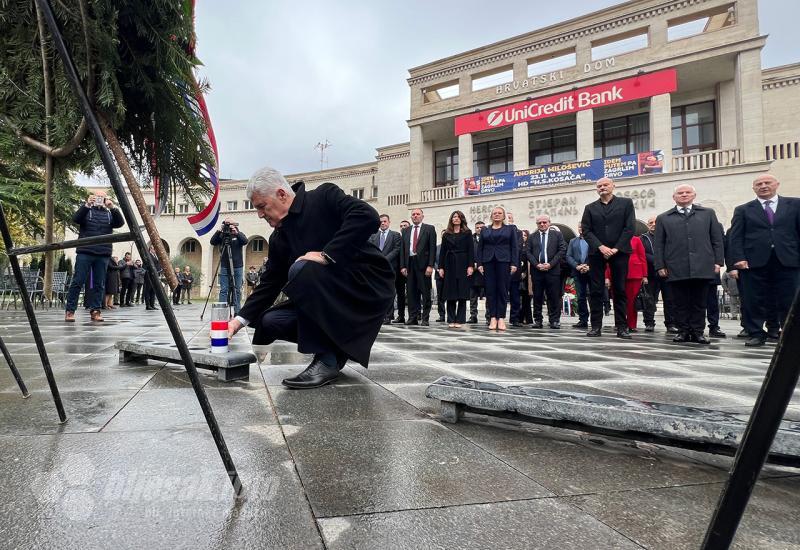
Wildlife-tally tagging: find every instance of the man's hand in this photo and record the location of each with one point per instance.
(313, 257)
(742, 265)
(441, 273)
(480, 268)
(734, 274)
(470, 271)
(605, 251)
(582, 268)
(717, 268)
(614, 251)
(608, 283)
(404, 272)
(234, 326)
(428, 271)
(663, 272)
(109, 204)
(513, 269)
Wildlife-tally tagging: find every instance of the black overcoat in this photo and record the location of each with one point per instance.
(612, 225)
(689, 245)
(456, 254)
(347, 299)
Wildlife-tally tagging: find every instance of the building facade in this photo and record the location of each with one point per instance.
(681, 79)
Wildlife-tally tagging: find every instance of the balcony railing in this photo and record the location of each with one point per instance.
(706, 159)
(440, 193)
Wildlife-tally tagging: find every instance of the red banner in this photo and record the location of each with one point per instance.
(601, 95)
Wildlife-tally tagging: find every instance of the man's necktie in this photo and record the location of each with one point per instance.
(542, 251)
(769, 211)
(414, 240)
(383, 239)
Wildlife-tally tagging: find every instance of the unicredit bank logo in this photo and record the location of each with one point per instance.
(495, 118)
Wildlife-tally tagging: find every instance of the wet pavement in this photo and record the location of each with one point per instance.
(365, 463)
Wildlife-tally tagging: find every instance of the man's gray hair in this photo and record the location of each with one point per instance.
(675, 189)
(267, 181)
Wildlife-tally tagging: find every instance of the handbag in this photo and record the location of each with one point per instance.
(644, 300)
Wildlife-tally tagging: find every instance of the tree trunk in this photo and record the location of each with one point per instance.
(136, 193)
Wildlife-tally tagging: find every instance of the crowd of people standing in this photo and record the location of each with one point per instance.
(678, 262)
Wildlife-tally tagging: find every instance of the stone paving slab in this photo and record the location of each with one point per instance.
(365, 462)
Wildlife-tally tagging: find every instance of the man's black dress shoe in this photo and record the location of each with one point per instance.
(387, 321)
(624, 333)
(555, 326)
(743, 334)
(699, 339)
(424, 323)
(316, 374)
(649, 328)
(755, 341)
(595, 332)
(516, 324)
(633, 330)
(440, 320)
(537, 324)
(399, 321)
(412, 322)
(472, 321)
(681, 337)
(673, 330)
(773, 335)
(716, 333)
(580, 325)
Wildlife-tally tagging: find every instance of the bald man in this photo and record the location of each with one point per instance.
(765, 248)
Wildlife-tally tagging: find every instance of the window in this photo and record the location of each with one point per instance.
(622, 136)
(358, 193)
(189, 247)
(446, 168)
(694, 128)
(559, 145)
(492, 78)
(247, 205)
(493, 157)
(619, 44)
(438, 92)
(151, 208)
(703, 22)
(374, 191)
(257, 245)
(231, 205)
(183, 209)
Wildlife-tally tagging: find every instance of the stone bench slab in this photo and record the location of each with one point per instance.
(234, 365)
(611, 414)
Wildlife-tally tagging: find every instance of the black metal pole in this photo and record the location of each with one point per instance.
(85, 241)
(14, 370)
(26, 303)
(776, 392)
(130, 219)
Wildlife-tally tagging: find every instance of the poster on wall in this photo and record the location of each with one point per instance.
(566, 173)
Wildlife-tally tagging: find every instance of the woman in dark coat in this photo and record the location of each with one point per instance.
(456, 255)
(525, 287)
(498, 257)
(112, 282)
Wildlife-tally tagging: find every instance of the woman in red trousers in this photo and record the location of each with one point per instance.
(637, 274)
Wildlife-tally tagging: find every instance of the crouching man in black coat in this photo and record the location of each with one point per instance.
(339, 287)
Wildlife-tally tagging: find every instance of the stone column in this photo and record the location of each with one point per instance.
(661, 127)
(415, 164)
(750, 117)
(657, 34)
(584, 128)
(464, 157)
(726, 115)
(521, 157)
(583, 52)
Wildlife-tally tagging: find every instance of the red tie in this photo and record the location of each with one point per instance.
(414, 240)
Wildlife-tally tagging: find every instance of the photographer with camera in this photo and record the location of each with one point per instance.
(98, 216)
(231, 242)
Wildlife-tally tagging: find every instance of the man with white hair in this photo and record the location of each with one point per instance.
(689, 252)
(339, 287)
(765, 248)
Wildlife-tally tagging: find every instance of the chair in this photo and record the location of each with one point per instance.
(59, 291)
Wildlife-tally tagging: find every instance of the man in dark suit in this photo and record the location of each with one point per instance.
(689, 253)
(339, 286)
(477, 278)
(765, 249)
(608, 226)
(577, 257)
(389, 243)
(545, 250)
(655, 284)
(416, 264)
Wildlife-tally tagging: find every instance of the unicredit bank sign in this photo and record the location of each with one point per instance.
(601, 95)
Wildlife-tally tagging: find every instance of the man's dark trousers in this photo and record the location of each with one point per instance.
(690, 297)
(515, 300)
(546, 285)
(418, 284)
(400, 292)
(768, 293)
(712, 306)
(618, 264)
(582, 283)
(657, 285)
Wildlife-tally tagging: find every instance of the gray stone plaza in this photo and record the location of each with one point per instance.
(366, 462)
